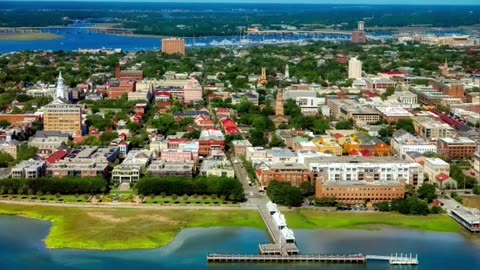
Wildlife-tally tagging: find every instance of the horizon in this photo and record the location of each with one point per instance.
(319, 2)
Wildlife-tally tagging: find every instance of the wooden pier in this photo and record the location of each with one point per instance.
(283, 249)
(231, 258)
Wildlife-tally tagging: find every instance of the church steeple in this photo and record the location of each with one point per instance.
(60, 93)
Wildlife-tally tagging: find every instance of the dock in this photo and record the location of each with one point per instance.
(283, 248)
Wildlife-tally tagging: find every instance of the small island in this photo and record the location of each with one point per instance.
(30, 36)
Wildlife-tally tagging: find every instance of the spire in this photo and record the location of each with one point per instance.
(287, 71)
(60, 92)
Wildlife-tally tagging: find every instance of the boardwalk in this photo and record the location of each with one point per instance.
(225, 258)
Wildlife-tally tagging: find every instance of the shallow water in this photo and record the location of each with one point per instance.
(21, 247)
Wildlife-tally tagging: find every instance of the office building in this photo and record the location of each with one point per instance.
(456, 147)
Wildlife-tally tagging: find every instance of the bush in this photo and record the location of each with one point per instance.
(284, 193)
(66, 185)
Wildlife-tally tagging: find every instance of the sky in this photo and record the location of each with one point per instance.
(394, 2)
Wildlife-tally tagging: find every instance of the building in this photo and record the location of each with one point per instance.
(163, 168)
(251, 96)
(403, 142)
(29, 169)
(429, 128)
(437, 169)
(173, 46)
(10, 146)
(128, 75)
(456, 147)
(214, 167)
(359, 36)
(240, 147)
(371, 169)
(19, 118)
(468, 218)
(279, 110)
(451, 88)
(132, 167)
(294, 173)
(328, 145)
(476, 162)
(393, 114)
(352, 109)
(62, 117)
(379, 84)
(310, 105)
(354, 68)
(117, 90)
(359, 192)
(210, 139)
(47, 142)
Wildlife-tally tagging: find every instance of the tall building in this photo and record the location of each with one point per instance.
(354, 68)
(173, 46)
(279, 111)
(287, 72)
(61, 116)
(359, 36)
(263, 78)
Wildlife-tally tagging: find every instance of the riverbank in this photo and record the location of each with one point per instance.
(126, 229)
(28, 36)
(313, 219)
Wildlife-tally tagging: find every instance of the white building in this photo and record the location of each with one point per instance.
(132, 167)
(401, 144)
(373, 169)
(29, 169)
(437, 169)
(354, 68)
(310, 105)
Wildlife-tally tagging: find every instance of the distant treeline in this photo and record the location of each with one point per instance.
(177, 19)
(231, 188)
(64, 186)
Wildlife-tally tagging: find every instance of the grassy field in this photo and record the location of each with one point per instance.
(28, 36)
(120, 229)
(312, 219)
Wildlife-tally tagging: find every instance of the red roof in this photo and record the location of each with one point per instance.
(229, 123)
(366, 153)
(162, 94)
(58, 155)
(232, 130)
(370, 94)
(441, 177)
(337, 136)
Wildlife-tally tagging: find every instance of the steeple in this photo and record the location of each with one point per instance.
(60, 93)
(287, 72)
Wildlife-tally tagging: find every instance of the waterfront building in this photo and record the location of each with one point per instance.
(371, 169)
(359, 36)
(456, 147)
(29, 169)
(173, 46)
(162, 168)
(132, 167)
(354, 68)
(294, 173)
(468, 218)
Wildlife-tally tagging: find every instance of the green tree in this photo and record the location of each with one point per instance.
(4, 124)
(5, 159)
(406, 124)
(428, 192)
(276, 141)
(348, 124)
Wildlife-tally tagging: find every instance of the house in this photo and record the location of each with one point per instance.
(29, 169)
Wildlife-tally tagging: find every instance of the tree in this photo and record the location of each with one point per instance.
(5, 159)
(406, 124)
(428, 192)
(257, 137)
(4, 123)
(276, 141)
(383, 206)
(476, 189)
(326, 201)
(284, 193)
(26, 152)
(348, 124)
(386, 131)
(307, 189)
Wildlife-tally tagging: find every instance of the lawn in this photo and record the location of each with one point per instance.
(312, 219)
(120, 229)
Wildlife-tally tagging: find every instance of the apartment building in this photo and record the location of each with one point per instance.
(173, 46)
(429, 128)
(131, 169)
(29, 169)
(164, 168)
(62, 117)
(47, 142)
(294, 173)
(403, 142)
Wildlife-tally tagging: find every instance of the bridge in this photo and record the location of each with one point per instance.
(95, 29)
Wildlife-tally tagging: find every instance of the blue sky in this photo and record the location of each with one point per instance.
(404, 2)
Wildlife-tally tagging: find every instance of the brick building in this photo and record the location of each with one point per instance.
(124, 87)
(293, 173)
(210, 139)
(127, 75)
(456, 148)
(19, 118)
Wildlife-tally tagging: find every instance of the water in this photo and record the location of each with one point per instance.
(21, 247)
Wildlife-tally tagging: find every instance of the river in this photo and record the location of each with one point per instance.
(21, 247)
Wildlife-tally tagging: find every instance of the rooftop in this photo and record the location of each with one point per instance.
(458, 140)
(436, 161)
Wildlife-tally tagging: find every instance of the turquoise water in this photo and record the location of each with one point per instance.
(21, 247)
